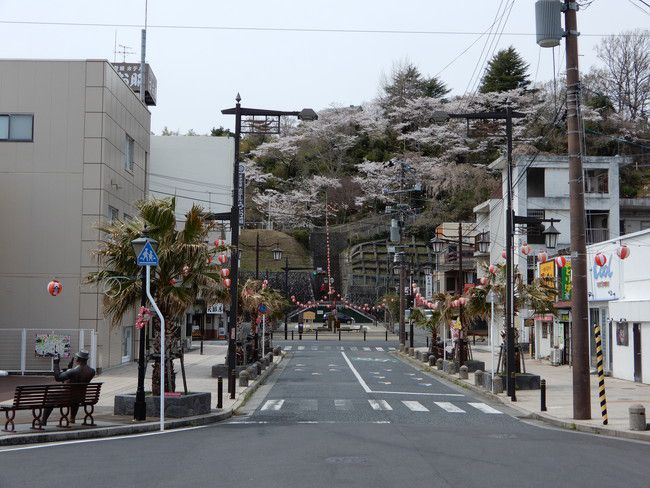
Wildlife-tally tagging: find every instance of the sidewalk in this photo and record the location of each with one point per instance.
(621, 394)
(121, 380)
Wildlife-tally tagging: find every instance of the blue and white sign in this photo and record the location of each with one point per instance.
(148, 256)
(603, 281)
(262, 308)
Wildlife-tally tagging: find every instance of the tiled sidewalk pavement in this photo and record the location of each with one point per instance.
(123, 379)
(621, 394)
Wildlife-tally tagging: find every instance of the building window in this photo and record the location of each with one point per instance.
(113, 214)
(17, 127)
(596, 181)
(597, 226)
(535, 182)
(535, 232)
(129, 151)
(127, 217)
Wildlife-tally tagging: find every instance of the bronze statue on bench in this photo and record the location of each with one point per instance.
(81, 373)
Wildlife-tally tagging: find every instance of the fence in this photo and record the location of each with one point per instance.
(17, 349)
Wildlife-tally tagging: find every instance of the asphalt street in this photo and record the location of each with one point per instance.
(343, 415)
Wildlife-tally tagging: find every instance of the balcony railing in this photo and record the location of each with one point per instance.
(597, 234)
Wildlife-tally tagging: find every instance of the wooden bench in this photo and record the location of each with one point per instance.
(56, 395)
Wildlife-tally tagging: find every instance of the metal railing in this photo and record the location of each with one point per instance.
(17, 349)
(595, 234)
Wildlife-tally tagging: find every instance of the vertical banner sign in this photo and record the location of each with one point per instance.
(601, 374)
(242, 194)
(428, 287)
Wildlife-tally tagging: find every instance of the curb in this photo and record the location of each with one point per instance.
(526, 414)
(140, 428)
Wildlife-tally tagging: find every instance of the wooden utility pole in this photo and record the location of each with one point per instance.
(579, 310)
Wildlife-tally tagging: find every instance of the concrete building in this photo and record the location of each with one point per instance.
(74, 146)
(195, 170)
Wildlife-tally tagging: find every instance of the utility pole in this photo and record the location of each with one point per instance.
(510, 228)
(402, 304)
(459, 288)
(579, 312)
(257, 255)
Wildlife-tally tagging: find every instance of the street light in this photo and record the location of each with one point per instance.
(550, 236)
(259, 121)
(484, 242)
(140, 405)
(437, 244)
(400, 266)
(277, 254)
(427, 268)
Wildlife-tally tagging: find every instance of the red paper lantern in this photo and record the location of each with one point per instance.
(222, 258)
(526, 249)
(492, 269)
(600, 259)
(503, 254)
(623, 251)
(560, 261)
(227, 282)
(462, 301)
(225, 272)
(484, 280)
(219, 243)
(54, 287)
(542, 257)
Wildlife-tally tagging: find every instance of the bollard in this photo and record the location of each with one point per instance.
(542, 395)
(339, 334)
(316, 334)
(364, 335)
(513, 378)
(462, 373)
(243, 378)
(439, 364)
(427, 341)
(497, 385)
(291, 335)
(277, 351)
(386, 335)
(258, 367)
(219, 392)
(231, 382)
(637, 417)
(478, 377)
(300, 336)
(418, 355)
(432, 360)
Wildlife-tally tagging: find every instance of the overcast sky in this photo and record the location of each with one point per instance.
(290, 54)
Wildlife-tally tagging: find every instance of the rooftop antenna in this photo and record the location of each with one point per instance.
(124, 50)
(143, 51)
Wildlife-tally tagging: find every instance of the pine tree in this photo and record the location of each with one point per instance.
(506, 71)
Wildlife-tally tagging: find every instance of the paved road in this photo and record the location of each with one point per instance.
(354, 417)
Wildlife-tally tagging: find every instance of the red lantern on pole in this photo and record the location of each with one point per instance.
(227, 282)
(526, 249)
(600, 259)
(54, 287)
(503, 254)
(484, 280)
(222, 258)
(623, 251)
(560, 261)
(225, 272)
(492, 269)
(542, 257)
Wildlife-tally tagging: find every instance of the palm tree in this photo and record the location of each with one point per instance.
(184, 275)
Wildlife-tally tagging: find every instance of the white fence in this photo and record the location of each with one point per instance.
(17, 349)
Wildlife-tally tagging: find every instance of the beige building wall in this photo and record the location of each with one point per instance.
(55, 189)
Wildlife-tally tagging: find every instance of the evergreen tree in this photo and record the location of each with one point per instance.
(506, 71)
(407, 83)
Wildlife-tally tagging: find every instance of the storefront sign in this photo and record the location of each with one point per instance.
(215, 309)
(565, 282)
(547, 273)
(603, 284)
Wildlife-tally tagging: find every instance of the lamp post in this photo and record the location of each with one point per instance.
(140, 405)
(260, 121)
(400, 269)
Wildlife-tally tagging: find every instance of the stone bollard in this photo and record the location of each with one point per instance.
(258, 367)
(478, 378)
(243, 378)
(412, 352)
(252, 372)
(418, 355)
(401, 348)
(269, 356)
(637, 417)
(265, 362)
(439, 364)
(497, 385)
(277, 351)
(462, 373)
(432, 360)
(425, 357)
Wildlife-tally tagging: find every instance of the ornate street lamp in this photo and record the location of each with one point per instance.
(484, 243)
(437, 244)
(550, 236)
(277, 254)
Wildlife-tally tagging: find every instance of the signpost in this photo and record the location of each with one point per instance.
(149, 258)
(263, 309)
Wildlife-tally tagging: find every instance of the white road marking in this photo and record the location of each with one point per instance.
(299, 364)
(333, 365)
(298, 369)
(310, 405)
(422, 393)
(343, 404)
(341, 348)
(381, 377)
(389, 370)
(366, 349)
(379, 349)
(314, 348)
(272, 405)
(415, 406)
(334, 370)
(328, 348)
(356, 374)
(418, 379)
(315, 374)
(385, 382)
(354, 348)
(449, 407)
(288, 348)
(484, 408)
(374, 372)
(424, 384)
(380, 405)
(391, 348)
(409, 374)
(301, 348)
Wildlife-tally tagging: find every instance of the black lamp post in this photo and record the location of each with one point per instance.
(140, 405)
(259, 121)
(400, 268)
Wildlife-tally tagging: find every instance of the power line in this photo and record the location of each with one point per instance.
(283, 29)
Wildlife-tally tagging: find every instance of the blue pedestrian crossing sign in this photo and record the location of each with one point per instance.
(148, 256)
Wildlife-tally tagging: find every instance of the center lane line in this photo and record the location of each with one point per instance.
(367, 389)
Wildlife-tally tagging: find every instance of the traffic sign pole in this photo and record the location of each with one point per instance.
(263, 334)
(162, 347)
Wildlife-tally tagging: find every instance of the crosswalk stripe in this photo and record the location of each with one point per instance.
(484, 408)
(273, 405)
(341, 348)
(287, 348)
(391, 348)
(301, 348)
(314, 348)
(379, 348)
(343, 404)
(310, 405)
(380, 405)
(449, 407)
(415, 406)
(328, 348)
(366, 349)
(354, 348)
